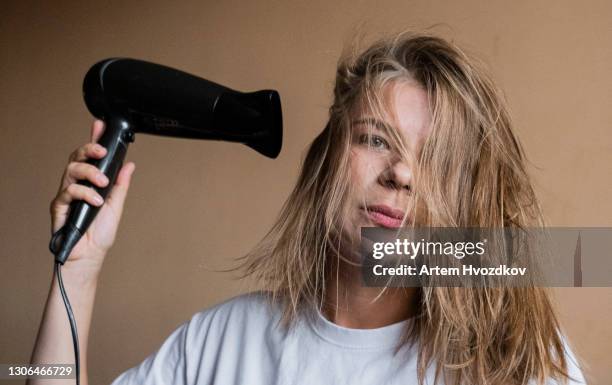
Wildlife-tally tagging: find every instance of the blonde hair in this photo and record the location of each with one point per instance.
(471, 173)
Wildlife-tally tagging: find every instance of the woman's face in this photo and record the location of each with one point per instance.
(381, 179)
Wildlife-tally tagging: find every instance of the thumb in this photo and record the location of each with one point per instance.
(116, 198)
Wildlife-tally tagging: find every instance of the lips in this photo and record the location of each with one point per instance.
(385, 216)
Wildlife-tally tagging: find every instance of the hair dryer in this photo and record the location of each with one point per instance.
(134, 96)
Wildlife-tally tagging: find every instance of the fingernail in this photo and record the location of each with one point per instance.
(102, 178)
(98, 199)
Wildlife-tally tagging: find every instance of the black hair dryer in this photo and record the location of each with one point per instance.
(134, 96)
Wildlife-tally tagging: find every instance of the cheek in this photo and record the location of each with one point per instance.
(365, 169)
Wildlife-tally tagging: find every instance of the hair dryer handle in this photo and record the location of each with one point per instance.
(116, 138)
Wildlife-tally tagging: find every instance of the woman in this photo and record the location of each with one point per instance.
(418, 135)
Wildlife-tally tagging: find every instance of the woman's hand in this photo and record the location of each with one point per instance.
(90, 250)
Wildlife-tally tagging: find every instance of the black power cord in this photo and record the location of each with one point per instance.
(73, 327)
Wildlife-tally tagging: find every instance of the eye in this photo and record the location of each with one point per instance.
(374, 141)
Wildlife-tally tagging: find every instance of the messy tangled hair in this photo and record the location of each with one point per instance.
(471, 173)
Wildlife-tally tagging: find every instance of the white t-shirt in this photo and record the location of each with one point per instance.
(241, 341)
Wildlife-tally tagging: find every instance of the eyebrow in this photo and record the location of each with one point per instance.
(376, 123)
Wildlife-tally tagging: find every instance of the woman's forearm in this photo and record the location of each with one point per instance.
(54, 341)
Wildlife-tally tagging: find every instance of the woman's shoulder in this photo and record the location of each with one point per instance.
(220, 333)
(574, 364)
(233, 313)
(254, 301)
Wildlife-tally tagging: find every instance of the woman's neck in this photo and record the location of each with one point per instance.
(350, 304)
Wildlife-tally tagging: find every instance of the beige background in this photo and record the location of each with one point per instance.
(194, 206)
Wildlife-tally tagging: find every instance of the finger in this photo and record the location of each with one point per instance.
(97, 128)
(116, 198)
(76, 171)
(86, 151)
(76, 192)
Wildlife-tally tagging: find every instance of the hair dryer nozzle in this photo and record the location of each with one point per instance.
(271, 141)
(270, 144)
(254, 119)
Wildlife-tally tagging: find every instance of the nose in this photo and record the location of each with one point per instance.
(397, 175)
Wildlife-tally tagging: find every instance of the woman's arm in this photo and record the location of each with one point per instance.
(54, 340)
(81, 270)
